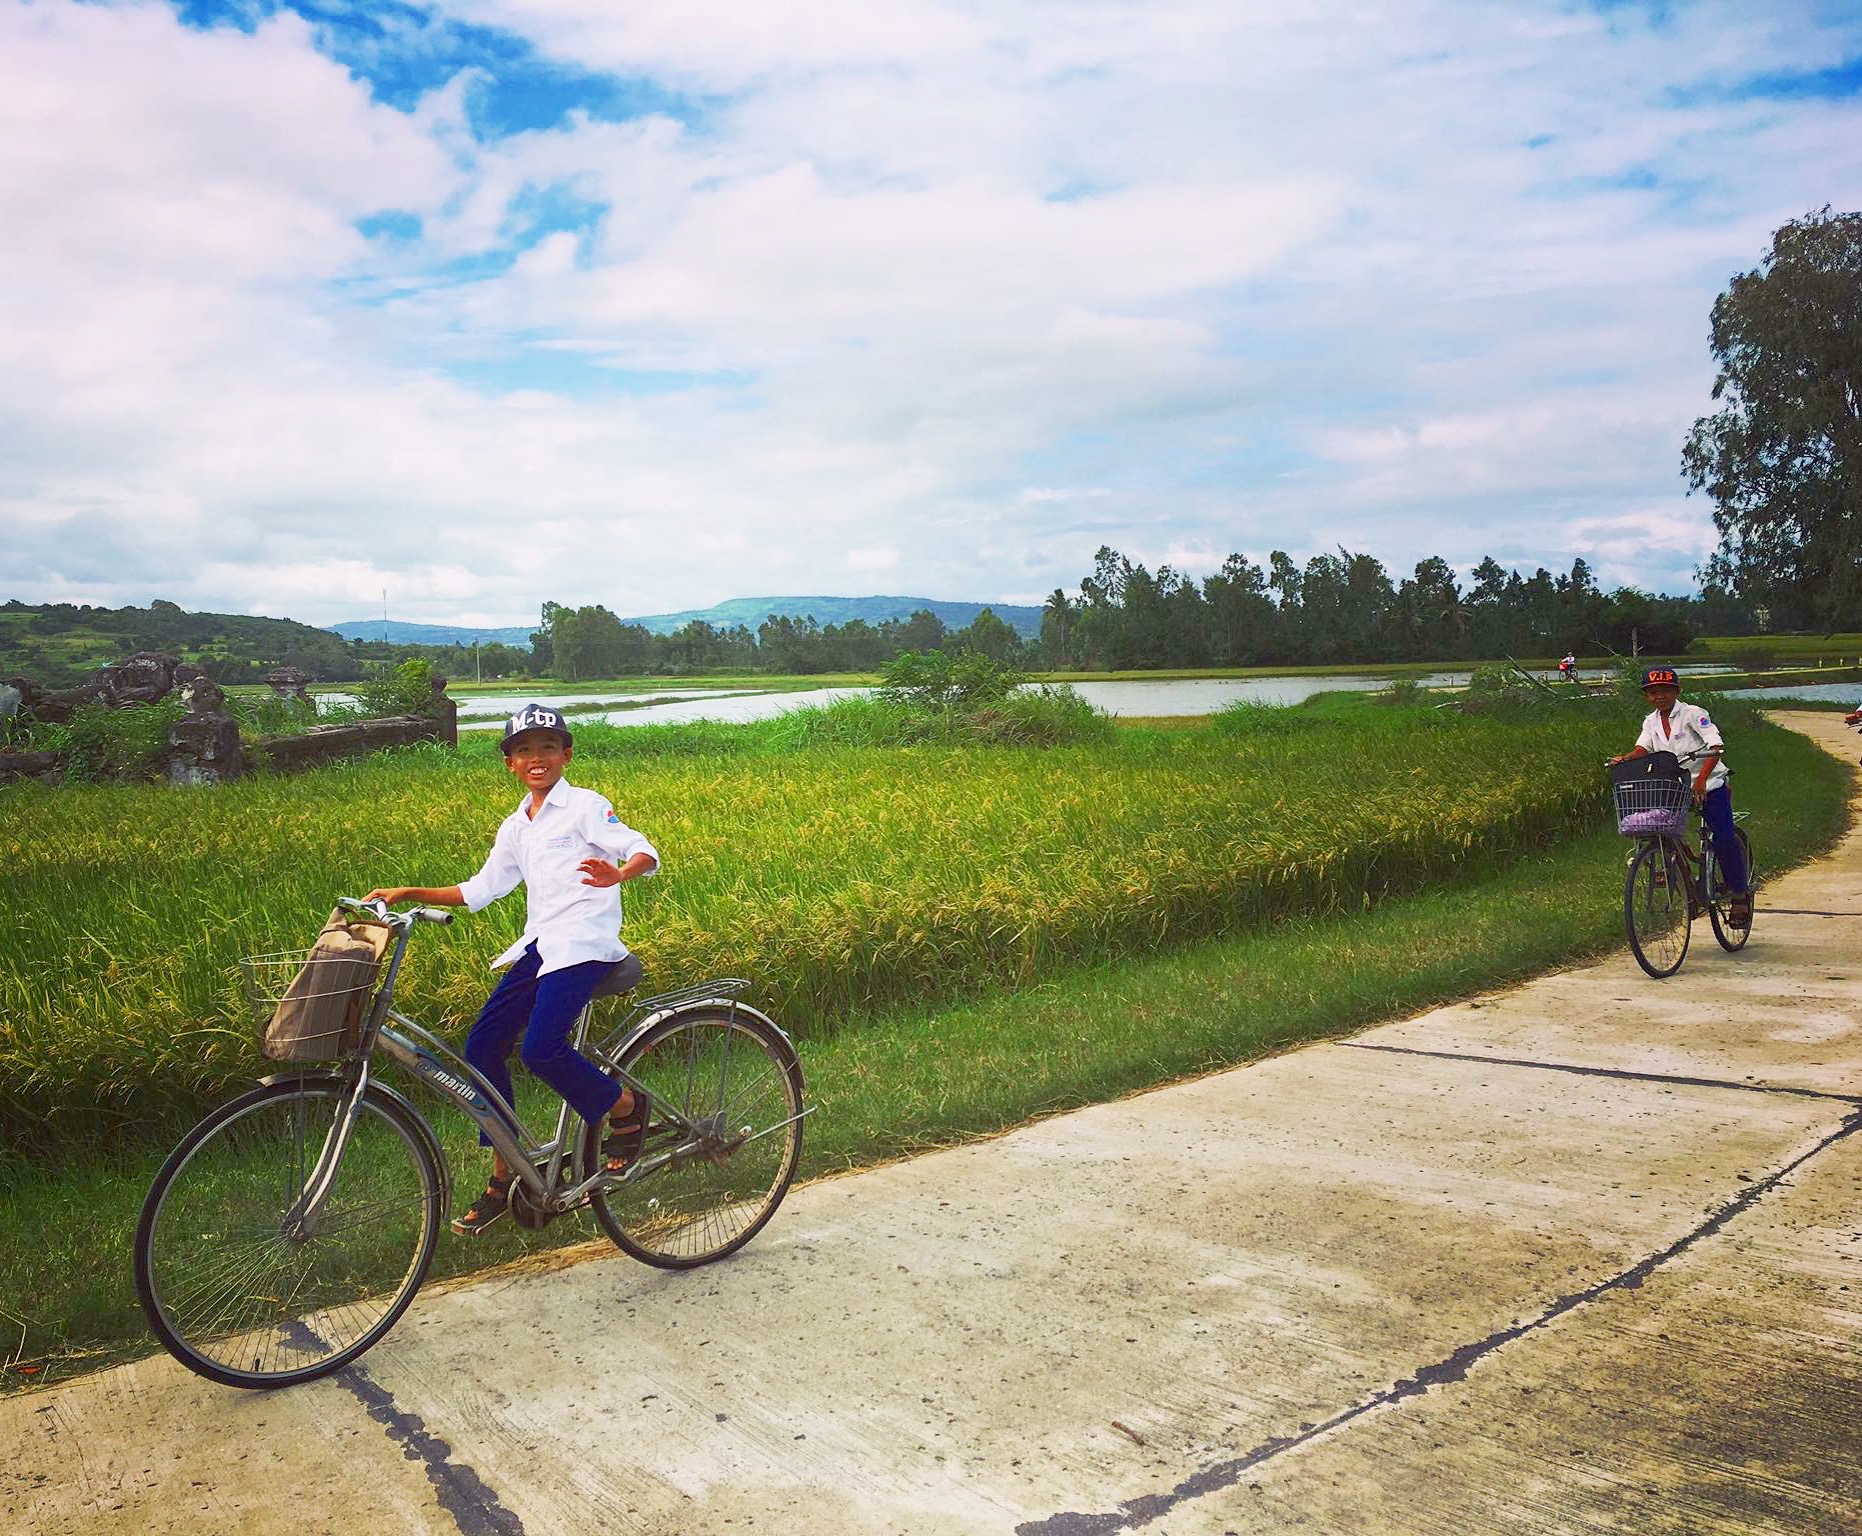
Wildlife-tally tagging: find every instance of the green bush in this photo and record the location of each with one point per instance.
(940, 682)
(407, 690)
(1500, 688)
(1052, 715)
(1403, 690)
(130, 743)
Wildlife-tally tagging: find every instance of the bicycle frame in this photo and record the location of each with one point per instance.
(538, 1165)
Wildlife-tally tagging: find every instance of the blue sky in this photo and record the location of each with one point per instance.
(658, 304)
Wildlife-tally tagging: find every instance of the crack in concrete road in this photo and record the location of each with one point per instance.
(462, 1493)
(1453, 1367)
(1622, 1074)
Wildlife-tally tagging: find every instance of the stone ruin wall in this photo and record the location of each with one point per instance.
(204, 745)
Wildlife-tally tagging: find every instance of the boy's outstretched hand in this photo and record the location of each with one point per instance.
(599, 873)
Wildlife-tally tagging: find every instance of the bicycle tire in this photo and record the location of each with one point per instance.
(713, 1197)
(1655, 908)
(284, 1302)
(1732, 937)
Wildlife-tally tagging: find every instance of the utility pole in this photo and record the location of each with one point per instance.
(384, 615)
(476, 676)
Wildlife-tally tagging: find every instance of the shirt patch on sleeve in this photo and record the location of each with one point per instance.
(1705, 721)
(613, 816)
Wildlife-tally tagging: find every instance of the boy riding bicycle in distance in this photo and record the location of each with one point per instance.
(1689, 732)
(572, 852)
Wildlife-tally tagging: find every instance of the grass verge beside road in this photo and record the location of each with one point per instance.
(913, 1078)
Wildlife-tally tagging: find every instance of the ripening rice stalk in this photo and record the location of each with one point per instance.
(838, 879)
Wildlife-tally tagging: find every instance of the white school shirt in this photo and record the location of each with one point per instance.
(570, 922)
(1690, 729)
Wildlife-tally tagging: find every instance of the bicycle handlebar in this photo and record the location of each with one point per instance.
(1684, 757)
(379, 911)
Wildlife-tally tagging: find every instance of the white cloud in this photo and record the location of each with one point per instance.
(971, 291)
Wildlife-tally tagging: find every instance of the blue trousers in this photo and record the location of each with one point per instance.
(543, 1009)
(1717, 809)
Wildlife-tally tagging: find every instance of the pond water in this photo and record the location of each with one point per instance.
(482, 707)
(683, 709)
(1140, 696)
(1158, 696)
(1829, 693)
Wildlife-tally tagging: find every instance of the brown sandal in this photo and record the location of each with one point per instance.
(486, 1209)
(627, 1133)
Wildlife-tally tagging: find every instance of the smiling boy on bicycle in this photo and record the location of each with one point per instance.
(571, 852)
(1688, 731)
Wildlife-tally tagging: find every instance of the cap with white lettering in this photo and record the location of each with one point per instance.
(535, 717)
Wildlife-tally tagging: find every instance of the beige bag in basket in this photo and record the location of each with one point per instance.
(320, 1015)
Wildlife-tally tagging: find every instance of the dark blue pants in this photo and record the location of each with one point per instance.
(1727, 854)
(543, 1009)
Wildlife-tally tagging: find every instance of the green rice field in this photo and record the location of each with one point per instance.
(1117, 915)
(837, 880)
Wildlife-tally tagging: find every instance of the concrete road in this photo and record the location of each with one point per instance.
(1583, 1256)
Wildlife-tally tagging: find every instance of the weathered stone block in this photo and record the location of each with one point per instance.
(30, 765)
(204, 749)
(203, 696)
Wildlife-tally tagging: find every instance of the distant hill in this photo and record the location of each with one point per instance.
(752, 611)
(402, 633)
(57, 644)
(748, 611)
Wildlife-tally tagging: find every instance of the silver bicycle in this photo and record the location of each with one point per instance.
(1668, 883)
(290, 1229)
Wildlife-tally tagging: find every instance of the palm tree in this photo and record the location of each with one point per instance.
(1057, 616)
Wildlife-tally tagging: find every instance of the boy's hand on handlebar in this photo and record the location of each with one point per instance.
(389, 895)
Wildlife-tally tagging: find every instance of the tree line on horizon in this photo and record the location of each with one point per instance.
(1336, 608)
(1341, 608)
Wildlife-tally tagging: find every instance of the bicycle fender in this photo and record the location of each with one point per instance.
(705, 1004)
(401, 1101)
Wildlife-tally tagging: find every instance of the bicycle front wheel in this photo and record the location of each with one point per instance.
(241, 1291)
(1655, 907)
(738, 1080)
(1720, 903)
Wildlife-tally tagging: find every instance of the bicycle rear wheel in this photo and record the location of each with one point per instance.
(1655, 907)
(739, 1079)
(233, 1288)
(1720, 903)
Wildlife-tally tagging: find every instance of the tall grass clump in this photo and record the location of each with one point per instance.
(1246, 720)
(273, 714)
(839, 881)
(1044, 716)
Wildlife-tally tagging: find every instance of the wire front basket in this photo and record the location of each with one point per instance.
(308, 1006)
(1653, 805)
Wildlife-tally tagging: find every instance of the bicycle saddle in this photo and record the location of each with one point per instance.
(623, 977)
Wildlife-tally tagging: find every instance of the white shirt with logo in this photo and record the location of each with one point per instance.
(1689, 729)
(569, 922)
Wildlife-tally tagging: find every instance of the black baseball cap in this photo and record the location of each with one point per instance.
(1660, 677)
(535, 717)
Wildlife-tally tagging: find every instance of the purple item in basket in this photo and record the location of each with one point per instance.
(1652, 824)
